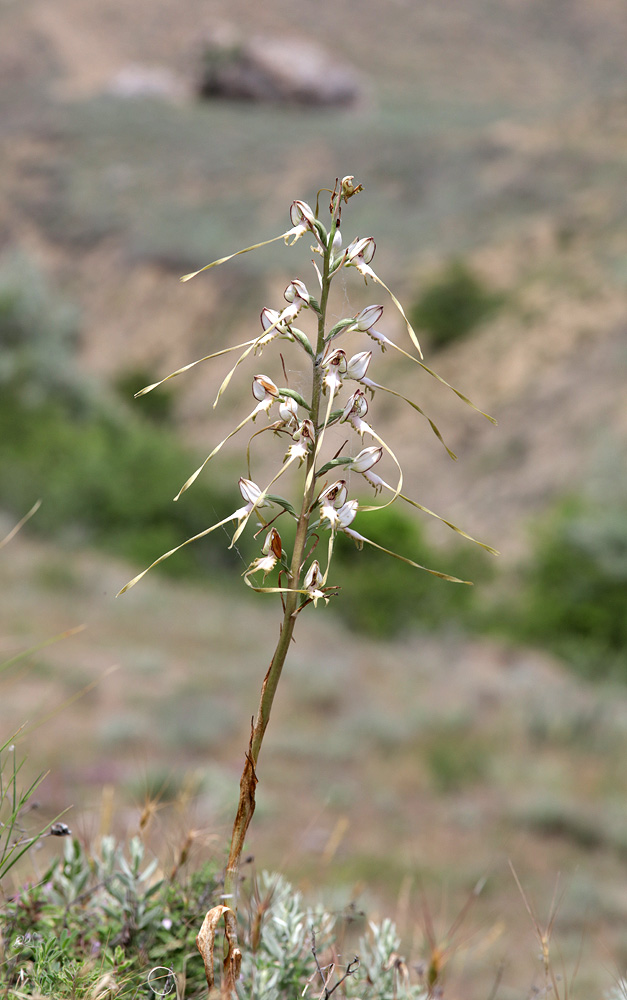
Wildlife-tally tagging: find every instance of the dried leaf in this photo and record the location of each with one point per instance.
(205, 942)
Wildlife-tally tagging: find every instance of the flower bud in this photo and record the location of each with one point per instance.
(368, 317)
(366, 458)
(358, 365)
(301, 213)
(296, 290)
(249, 490)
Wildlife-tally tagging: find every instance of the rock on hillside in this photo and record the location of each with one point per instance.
(276, 70)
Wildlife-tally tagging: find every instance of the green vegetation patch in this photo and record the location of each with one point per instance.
(454, 304)
(382, 596)
(572, 599)
(105, 474)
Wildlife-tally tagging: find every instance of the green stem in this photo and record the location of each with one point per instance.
(248, 781)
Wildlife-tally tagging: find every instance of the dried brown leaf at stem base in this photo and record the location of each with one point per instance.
(233, 959)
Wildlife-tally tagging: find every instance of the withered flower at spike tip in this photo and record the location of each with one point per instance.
(348, 189)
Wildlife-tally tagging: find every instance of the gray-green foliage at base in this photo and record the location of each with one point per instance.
(110, 923)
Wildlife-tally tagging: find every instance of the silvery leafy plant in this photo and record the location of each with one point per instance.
(297, 533)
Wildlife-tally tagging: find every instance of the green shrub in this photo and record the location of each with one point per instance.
(108, 479)
(573, 590)
(105, 473)
(382, 596)
(453, 304)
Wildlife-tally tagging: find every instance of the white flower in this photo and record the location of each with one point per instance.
(335, 493)
(365, 323)
(355, 409)
(346, 514)
(335, 365)
(305, 430)
(361, 251)
(288, 411)
(331, 499)
(296, 290)
(298, 297)
(266, 392)
(312, 583)
(251, 494)
(302, 219)
(272, 550)
(271, 322)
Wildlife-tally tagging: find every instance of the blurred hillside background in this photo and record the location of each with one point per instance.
(423, 737)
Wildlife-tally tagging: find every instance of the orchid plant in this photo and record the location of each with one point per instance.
(341, 390)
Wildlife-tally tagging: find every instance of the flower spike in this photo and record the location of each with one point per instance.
(311, 406)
